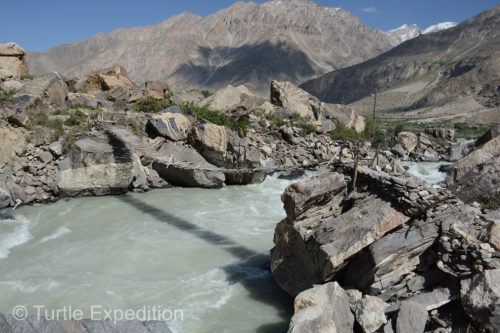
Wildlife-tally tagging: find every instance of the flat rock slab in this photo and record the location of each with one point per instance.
(346, 235)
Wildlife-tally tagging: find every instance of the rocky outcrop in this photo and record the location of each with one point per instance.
(12, 64)
(10, 324)
(441, 133)
(98, 165)
(296, 100)
(183, 166)
(231, 100)
(409, 141)
(476, 176)
(112, 83)
(393, 237)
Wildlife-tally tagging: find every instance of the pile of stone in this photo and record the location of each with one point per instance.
(387, 255)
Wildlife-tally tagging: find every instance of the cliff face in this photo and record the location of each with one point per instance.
(247, 43)
(430, 70)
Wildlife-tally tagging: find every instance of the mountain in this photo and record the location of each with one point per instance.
(247, 43)
(457, 67)
(439, 27)
(403, 33)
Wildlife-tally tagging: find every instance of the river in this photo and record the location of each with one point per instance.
(203, 252)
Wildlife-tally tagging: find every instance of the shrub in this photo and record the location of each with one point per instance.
(74, 90)
(343, 133)
(75, 119)
(207, 93)
(202, 113)
(493, 202)
(41, 118)
(168, 94)
(7, 95)
(150, 105)
(275, 120)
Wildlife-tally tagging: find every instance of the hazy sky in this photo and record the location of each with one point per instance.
(38, 25)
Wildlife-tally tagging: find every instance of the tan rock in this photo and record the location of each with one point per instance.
(495, 234)
(186, 97)
(229, 98)
(11, 49)
(295, 99)
(174, 126)
(12, 64)
(408, 140)
(344, 115)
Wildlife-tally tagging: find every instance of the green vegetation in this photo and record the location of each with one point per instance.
(207, 93)
(72, 89)
(40, 118)
(462, 130)
(27, 77)
(168, 94)
(150, 105)
(60, 112)
(81, 106)
(275, 120)
(76, 119)
(7, 95)
(493, 202)
(68, 142)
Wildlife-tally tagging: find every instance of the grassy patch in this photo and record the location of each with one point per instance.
(493, 202)
(150, 105)
(168, 94)
(275, 120)
(76, 119)
(40, 118)
(74, 90)
(27, 77)
(7, 95)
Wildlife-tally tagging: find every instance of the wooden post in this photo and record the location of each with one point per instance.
(355, 177)
(374, 108)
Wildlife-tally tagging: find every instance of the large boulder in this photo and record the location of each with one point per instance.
(441, 133)
(489, 135)
(343, 115)
(295, 99)
(112, 83)
(183, 166)
(231, 99)
(411, 318)
(370, 313)
(477, 175)
(222, 147)
(43, 92)
(99, 164)
(322, 309)
(481, 299)
(172, 125)
(409, 141)
(155, 89)
(12, 64)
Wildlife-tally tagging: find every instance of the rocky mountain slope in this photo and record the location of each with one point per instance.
(247, 43)
(460, 63)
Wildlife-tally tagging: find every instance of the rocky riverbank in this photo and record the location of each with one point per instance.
(391, 253)
(103, 134)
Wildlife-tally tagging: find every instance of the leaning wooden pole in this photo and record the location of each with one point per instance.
(355, 177)
(374, 108)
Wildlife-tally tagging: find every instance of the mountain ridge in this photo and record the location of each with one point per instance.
(190, 51)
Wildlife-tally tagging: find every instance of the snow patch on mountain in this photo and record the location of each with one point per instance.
(439, 27)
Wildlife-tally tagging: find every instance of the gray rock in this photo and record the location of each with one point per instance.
(481, 298)
(322, 309)
(398, 150)
(388, 259)
(370, 313)
(98, 164)
(5, 199)
(441, 133)
(45, 157)
(183, 166)
(186, 97)
(56, 148)
(411, 318)
(18, 117)
(222, 147)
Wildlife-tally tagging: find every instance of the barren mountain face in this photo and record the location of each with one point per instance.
(429, 70)
(247, 43)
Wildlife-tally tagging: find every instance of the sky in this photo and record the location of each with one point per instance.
(37, 25)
